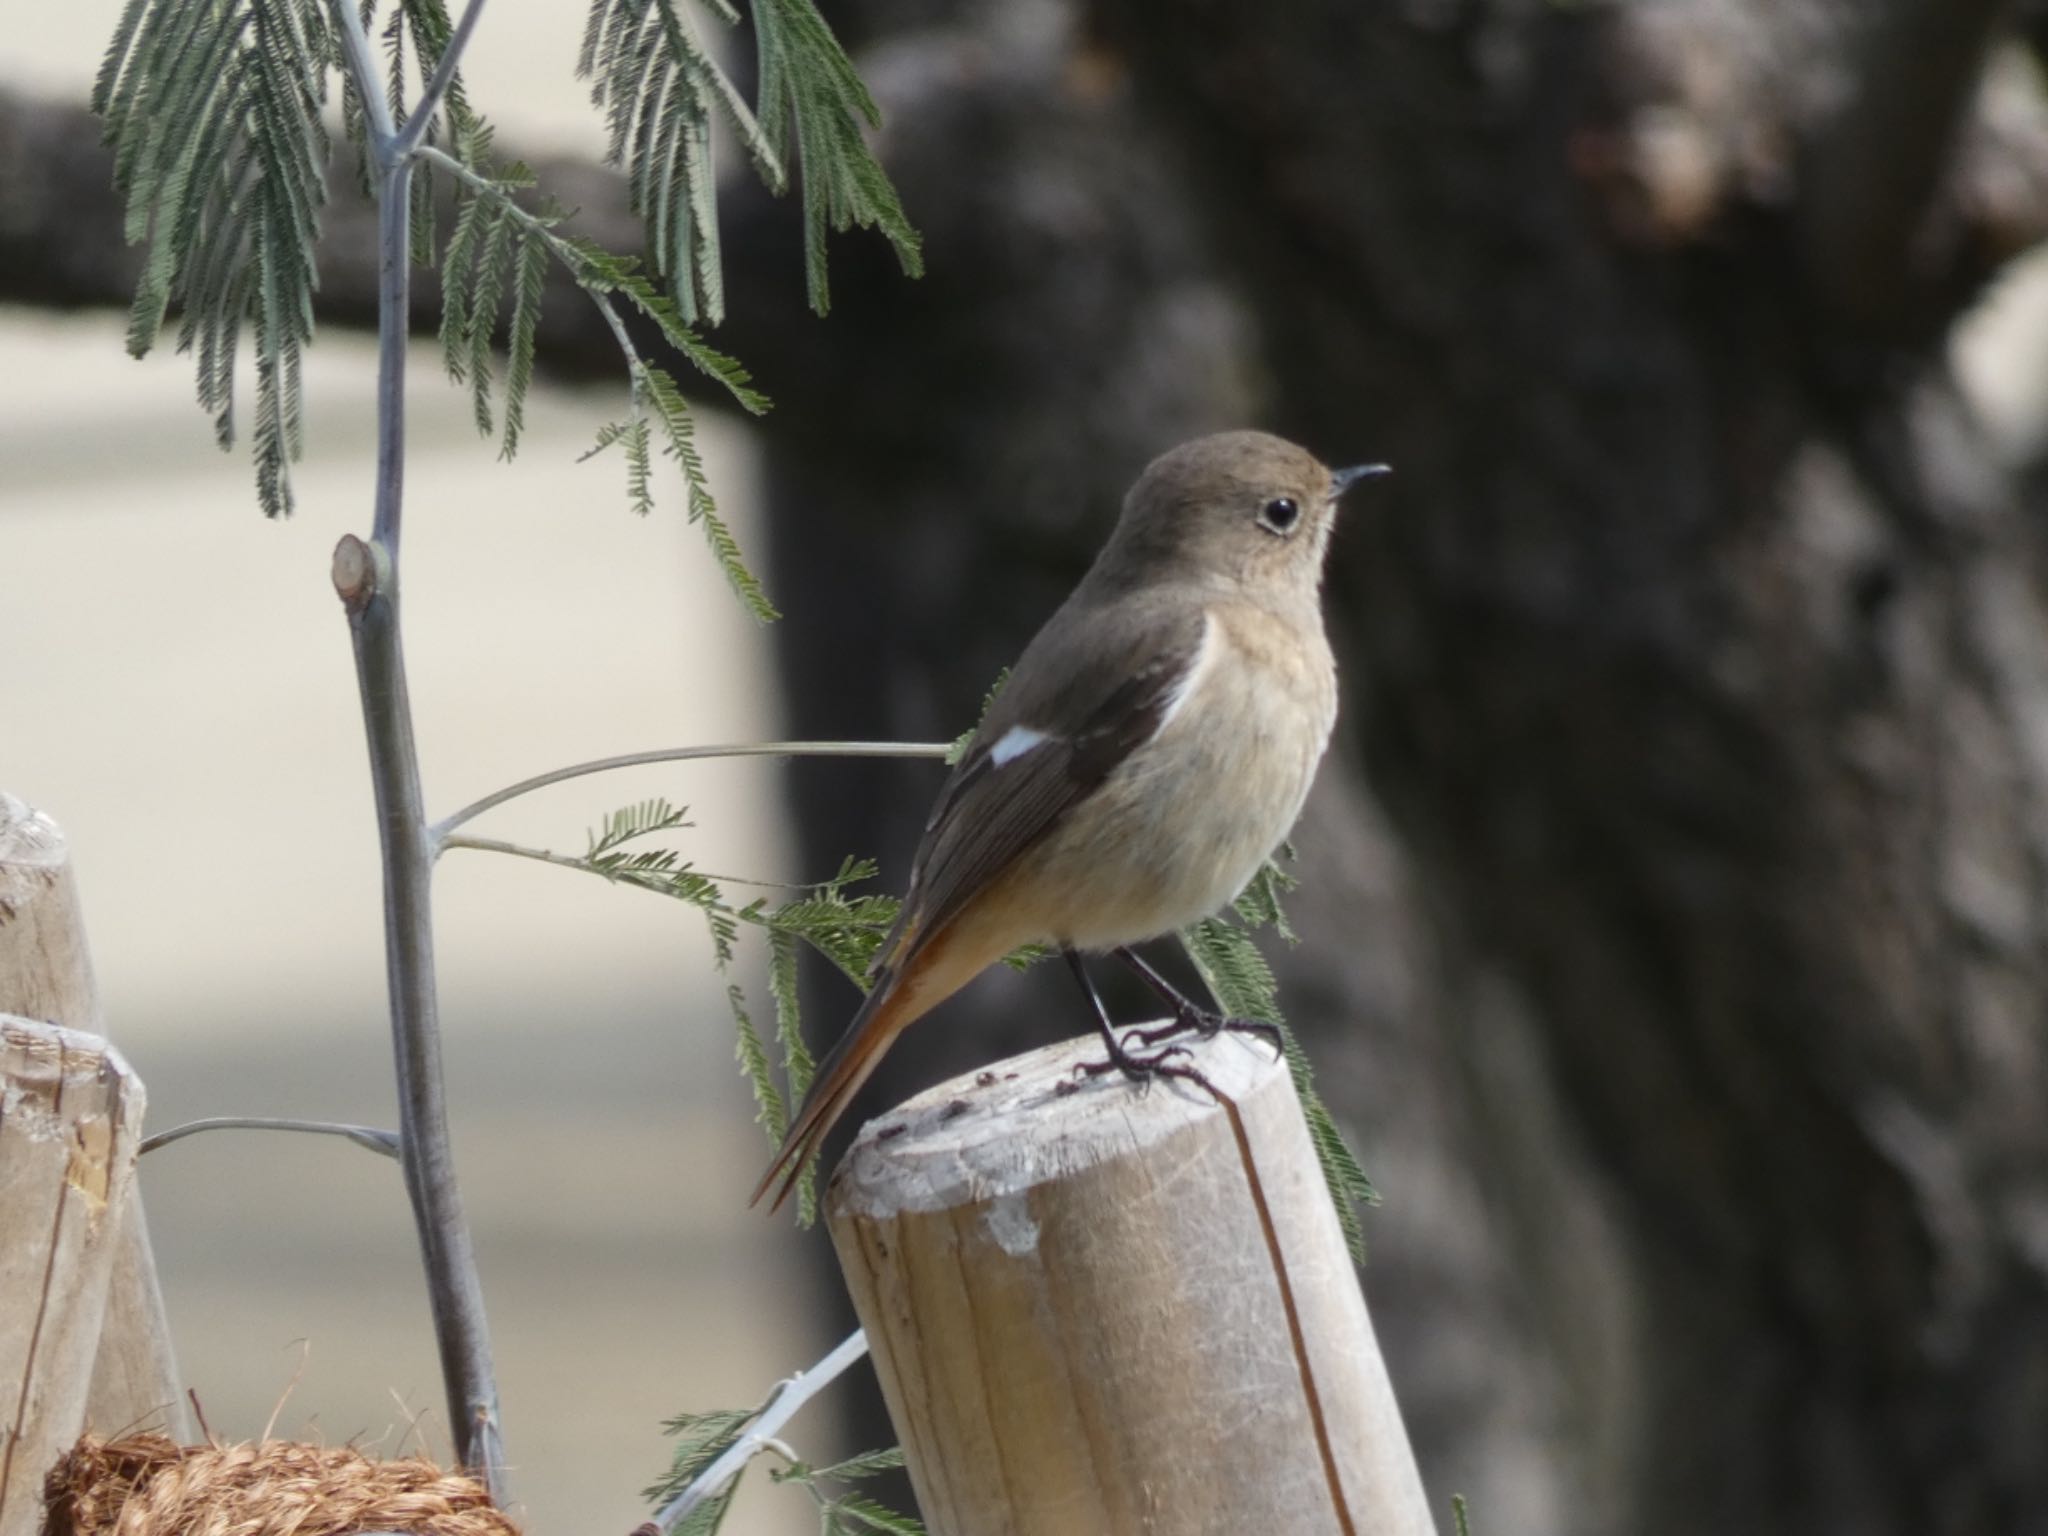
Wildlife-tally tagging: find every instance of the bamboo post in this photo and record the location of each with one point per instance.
(46, 974)
(70, 1125)
(1125, 1311)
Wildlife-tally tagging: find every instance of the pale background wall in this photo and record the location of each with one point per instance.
(175, 687)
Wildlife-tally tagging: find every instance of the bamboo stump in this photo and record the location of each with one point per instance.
(70, 1127)
(1104, 1310)
(46, 974)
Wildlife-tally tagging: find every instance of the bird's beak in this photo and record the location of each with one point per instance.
(1341, 480)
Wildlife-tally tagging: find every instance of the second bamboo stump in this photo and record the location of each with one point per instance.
(1105, 1310)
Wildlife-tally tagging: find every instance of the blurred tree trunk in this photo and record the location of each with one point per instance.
(1694, 1024)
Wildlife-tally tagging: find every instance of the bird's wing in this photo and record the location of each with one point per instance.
(1043, 749)
(1054, 734)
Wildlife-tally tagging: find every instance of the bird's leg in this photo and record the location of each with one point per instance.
(1187, 1013)
(1138, 1068)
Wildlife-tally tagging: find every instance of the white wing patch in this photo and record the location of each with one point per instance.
(1190, 680)
(1015, 742)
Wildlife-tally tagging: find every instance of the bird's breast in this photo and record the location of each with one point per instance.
(1186, 820)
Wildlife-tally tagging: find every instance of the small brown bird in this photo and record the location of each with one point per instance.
(1153, 745)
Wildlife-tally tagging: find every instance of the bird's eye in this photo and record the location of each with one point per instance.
(1280, 515)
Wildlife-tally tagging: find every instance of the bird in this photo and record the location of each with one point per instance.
(1149, 750)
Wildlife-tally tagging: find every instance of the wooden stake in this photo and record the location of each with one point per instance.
(70, 1124)
(1124, 1311)
(46, 974)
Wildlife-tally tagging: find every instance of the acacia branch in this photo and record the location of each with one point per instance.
(781, 1407)
(1874, 168)
(384, 1143)
(410, 136)
(366, 578)
(476, 808)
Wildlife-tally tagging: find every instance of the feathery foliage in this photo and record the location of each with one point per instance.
(1241, 981)
(658, 86)
(809, 87)
(701, 1438)
(846, 929)
(212, 108)
(851, 1513)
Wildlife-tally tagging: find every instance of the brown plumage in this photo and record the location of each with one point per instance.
(1152, 746)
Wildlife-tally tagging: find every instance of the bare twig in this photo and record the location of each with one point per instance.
(781, 1407)
(380, 1141)
(1875, 166)
(409, 137)
(362, 71)
(476, 808)
(367, 580)
(574, 861)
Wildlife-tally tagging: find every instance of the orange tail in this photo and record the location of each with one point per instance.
(905, 992)
(859, 1051)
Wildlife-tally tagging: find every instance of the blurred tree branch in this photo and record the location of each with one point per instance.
(61, 244)
(1877, 161)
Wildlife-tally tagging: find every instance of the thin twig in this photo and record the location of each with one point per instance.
(362, 68)
(476, 808)
(367, 579)
(782, 1405)
(380, 1141)
(408, 138)
(572, 861)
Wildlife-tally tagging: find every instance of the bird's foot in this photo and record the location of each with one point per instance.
(1208, 1025)
(1138, 1066)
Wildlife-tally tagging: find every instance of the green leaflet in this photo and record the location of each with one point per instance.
(212, 109)
(1241, 981)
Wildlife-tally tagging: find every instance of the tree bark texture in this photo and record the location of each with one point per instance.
(1700, 660)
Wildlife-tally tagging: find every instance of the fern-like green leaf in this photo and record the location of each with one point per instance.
(658, 85)
(1259, 903)
(808, 83)
(707, 1518)
(798, 1065)
(622, 276)
(860, 1516)
(644, 818)
(1241, 981)
(486, 299)
(753, 1059)
(701, 1438)
(631, 438)
(679, 430)
(531, 282)
(867, 1464)
(212, 108)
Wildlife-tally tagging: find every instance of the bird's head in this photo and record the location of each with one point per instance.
(1244, 507)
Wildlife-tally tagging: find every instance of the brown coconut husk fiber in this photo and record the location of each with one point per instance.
(147, 1485)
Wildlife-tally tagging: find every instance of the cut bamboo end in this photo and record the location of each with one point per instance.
(46, 974)
(70, 1127)
(45, 966)
(1071, 1292)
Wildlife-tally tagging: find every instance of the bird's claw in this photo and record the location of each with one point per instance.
(1208, 1025)
(1137, 1066)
